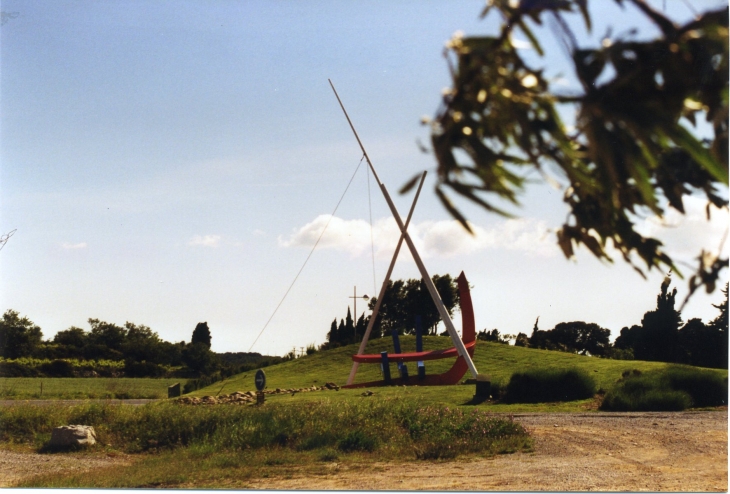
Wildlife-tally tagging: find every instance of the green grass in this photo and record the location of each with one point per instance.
(496, 360)
(381, 430)
(29, 388)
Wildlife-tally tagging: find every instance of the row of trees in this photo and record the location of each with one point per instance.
(661, 336)
(402, 301)
(142, 350)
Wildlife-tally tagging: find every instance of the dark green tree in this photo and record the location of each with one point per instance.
(142, 344)
(522, 340)
(492, 336)
(658, 337)
(361, 326)
(68, 343)
(630, 149)
(705, 345)
(391, 314)
(348, 335)
(403, 300)
(19, 336)
(581, 337)
(628, 337)
(332, 335)
(341, 332)
(105, 341)
(199, 359)
(201, 334)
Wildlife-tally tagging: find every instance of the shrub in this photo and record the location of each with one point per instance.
(329, 454)
(672, 389)
(544, 385)
(14, 369)
(706, 388)
(357, 440)
(143, 369)
(58, 368)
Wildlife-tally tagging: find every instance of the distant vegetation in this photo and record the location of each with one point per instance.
(109, 350)
(661, 336)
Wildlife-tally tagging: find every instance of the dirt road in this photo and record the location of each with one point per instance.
(684, 451)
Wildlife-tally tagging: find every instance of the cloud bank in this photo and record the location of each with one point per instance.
(205, 241)
(684, 235)
(445, 238)
(69, 246)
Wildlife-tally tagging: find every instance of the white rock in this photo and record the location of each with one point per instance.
(73, 435)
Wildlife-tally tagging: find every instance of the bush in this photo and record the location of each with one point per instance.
(58, 368)
(357, 440)
(706, 388)
(672, 389)
(14, 369)
(545, 385)
(143, 369)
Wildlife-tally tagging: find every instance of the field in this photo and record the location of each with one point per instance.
(350, 439)
(496, 360)
(53, 388)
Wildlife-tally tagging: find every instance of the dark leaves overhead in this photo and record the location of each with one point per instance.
(631, 151)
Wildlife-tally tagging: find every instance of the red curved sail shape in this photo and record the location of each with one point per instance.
(457, 371)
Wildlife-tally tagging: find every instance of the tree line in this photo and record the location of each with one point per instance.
(661, 336)
(143, 352)
(403, 300)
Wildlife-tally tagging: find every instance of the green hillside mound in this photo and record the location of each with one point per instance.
(493, 359)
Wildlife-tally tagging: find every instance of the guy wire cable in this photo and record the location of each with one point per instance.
(310, 254)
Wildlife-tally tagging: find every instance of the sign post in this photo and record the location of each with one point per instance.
(260, 381)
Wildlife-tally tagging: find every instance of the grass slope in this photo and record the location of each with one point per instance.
(496, 360)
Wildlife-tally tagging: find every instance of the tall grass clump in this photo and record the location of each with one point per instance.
(390, 427)
(672, 389)
(546, 385)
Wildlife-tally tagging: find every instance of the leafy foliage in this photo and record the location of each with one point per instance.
(661, 336)
(405, 299)
(19, 337)
(631, 151)
(577, 336)
(494, 336)
(201, 334)
(675, 388)
(542, 385)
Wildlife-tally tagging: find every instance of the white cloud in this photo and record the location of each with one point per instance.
(445, 238)
(80, 245)
(205, 241)
(685, 235)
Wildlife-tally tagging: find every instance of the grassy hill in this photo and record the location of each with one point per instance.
(496, 360)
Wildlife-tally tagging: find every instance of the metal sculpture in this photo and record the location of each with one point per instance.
(460, 346)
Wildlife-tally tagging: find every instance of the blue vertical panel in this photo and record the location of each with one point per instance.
(386, 366)
(419, 347)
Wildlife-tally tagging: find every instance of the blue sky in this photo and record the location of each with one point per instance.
(167, 163)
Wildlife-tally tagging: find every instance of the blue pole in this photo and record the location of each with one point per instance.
(386, 366)
(396, 346)
(419, 347)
